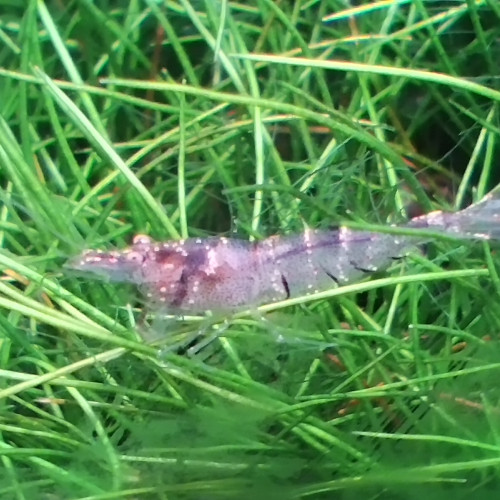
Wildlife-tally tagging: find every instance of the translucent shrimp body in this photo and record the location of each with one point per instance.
(221, 274)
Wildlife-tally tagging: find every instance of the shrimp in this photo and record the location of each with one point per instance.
(223, 274)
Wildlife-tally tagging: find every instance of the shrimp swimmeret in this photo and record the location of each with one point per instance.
(223, 274)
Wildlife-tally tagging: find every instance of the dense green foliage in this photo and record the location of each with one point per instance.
(201, 117)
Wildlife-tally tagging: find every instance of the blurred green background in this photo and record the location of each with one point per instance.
(194, 118)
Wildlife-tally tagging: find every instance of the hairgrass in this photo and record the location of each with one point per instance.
(196, 118)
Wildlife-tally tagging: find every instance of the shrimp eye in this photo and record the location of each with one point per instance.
(136, 257)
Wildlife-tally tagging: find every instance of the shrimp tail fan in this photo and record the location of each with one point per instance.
(480, 221)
